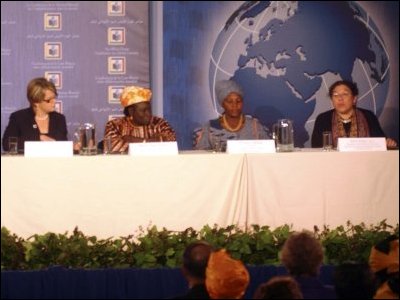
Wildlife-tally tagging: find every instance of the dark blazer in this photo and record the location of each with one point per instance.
(323, 122)
(22, 124)
(196, 292)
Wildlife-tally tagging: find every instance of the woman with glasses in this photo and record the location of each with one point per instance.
(345, 119)
(39, 122)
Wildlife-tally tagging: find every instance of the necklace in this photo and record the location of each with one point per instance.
(345, 121)
(42, 118)
(239, 125)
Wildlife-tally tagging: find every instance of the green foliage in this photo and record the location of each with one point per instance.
(153, 248)
(354, 242)
(12, 251)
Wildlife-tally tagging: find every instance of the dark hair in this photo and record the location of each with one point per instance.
(302, 254)
(354, 280)
(195, 258)
(279, 287)
(351, 85)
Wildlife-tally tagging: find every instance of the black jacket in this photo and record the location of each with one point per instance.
(22, 124)
(324, 123)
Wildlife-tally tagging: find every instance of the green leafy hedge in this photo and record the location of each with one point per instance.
(152, 248)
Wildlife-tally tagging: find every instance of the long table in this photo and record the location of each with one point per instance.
(111, 196)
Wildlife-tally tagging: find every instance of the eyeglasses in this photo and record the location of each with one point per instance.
(337, 95)
(49, 100)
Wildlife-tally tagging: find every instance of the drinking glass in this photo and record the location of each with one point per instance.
(13, 145)
(327, 144)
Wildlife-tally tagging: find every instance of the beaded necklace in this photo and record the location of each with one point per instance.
(239, 125)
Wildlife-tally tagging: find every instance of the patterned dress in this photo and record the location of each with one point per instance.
(212, 133)
(120, 127)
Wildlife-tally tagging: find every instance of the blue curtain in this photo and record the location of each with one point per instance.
(61, 283)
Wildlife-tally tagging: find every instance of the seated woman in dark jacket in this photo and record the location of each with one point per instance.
(39, 122)
(346, 120)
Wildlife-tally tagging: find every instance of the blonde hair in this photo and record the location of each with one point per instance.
(36, 89)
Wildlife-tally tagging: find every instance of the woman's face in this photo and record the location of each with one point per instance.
(343, 99)
(48, 103)
(140, 113)
(233, 105)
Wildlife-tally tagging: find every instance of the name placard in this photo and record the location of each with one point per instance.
(49, 149)
(361, 144)
(250, 146)
(156, 148)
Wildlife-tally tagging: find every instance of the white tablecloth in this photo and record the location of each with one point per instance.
(114, 195)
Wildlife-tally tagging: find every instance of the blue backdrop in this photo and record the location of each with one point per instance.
(284, 54)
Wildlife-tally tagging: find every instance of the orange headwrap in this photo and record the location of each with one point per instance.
(134, 94)
(226, 278)
(379, 260)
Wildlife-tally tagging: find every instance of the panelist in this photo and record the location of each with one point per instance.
(39, 122)
(138, 125)
(345, 119)
(232, 124)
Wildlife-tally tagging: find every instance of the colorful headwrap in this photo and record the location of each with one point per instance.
(226, 278)
(134, 94)
(224, 87)
(384, 262)
(385, 256)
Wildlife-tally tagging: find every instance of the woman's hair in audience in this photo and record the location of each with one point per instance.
(302, 254)
(279, 287)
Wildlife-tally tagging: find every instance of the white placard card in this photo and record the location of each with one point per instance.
(361, 144)
(145, 149)
(49, 149)
(250, 146)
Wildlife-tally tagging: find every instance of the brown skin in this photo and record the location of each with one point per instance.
(141, 115)
(233, 106)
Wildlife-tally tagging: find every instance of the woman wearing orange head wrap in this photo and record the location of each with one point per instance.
(226, 278)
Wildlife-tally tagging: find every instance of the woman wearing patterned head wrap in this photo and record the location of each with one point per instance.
(226, 278)
(232, 124)
(384, 262)
(138, 125)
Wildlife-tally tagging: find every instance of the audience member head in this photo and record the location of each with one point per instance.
(226, 278)
(354, 281)
(136, 103)
(279, 287)
(384, 262)
(37, 90)
(302, 254)
(195, 259)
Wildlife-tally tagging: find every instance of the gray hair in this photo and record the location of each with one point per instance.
(224, 87)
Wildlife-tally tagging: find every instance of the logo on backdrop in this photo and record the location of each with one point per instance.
(52, 21)
(285, 59)
(113, 94)
(116, 8)
(52, 51)
(116, 65)
(59, 106)
(54, 77)
(116, 36)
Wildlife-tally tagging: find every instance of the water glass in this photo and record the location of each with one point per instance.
(107, 145)
(327, 144)
(13, 145)
(218, 145)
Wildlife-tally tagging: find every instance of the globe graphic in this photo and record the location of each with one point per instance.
(285, 55)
